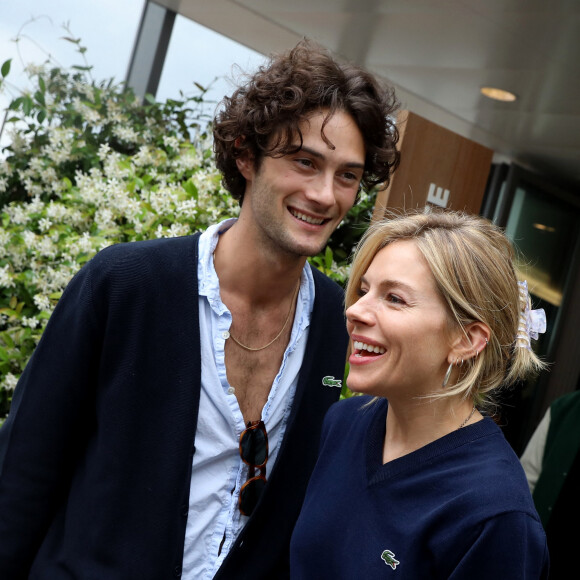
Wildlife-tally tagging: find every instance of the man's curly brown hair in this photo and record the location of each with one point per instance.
(263, 116)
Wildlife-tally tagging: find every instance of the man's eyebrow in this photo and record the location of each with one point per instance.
(319, 155)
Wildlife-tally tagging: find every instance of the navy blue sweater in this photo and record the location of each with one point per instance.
(458, 508)
(95, 457)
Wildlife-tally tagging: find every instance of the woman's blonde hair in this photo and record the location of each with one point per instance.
(472, 262)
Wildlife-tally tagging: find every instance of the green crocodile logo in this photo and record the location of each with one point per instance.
(332, 382)
(389, 558)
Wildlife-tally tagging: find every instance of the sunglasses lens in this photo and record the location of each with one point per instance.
(250, 494)
(254, 446)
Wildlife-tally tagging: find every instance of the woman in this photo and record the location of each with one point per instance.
(414, 479)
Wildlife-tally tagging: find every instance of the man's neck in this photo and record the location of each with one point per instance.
(253, 272)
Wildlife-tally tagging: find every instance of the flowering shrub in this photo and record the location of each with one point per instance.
(88, 165)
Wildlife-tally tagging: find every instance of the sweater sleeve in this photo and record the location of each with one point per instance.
(47, 424)
(511, 545)
(533, 454)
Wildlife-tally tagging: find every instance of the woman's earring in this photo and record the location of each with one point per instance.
(447, 375)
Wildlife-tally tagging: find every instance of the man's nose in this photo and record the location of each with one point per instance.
(321, 190)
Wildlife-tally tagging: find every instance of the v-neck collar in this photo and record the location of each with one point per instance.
(378, 472)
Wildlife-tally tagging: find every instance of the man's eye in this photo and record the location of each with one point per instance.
(305, 162)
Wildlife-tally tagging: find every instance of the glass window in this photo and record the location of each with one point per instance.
(199, 55)
(545, 233)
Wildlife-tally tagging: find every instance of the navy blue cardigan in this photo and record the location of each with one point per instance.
(95, 457)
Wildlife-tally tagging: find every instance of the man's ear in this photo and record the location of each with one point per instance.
(470, 342)
(245, 164)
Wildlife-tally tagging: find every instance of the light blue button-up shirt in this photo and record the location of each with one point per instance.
(218, 471)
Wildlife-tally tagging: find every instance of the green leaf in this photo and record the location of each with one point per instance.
(328, 258)
(8, 340)
(27, 105)
(39, 97)
(190, 188)
(6, 67)
(16, 103)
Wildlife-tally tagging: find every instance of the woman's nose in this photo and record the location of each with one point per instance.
(360, 311)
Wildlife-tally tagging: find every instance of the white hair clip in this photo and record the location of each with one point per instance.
(532, 322)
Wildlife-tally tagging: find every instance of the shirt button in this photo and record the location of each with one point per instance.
(225, 334)
(231, 390)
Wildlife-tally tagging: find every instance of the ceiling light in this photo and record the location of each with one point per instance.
(545, 228)
(498, 94)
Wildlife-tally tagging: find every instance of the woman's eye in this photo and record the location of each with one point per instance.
(395, 299)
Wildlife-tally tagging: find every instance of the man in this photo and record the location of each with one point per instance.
(168, 421)
(551, 461)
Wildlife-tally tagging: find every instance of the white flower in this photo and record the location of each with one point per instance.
(42, 302)
(29, 238)
(176, 230)
(46, 247)
(170, 141)
(187, 208)
(31, 322)
(33, 70)
(56, 211)
(143, 157)
(49, 175)
(35, 206)
(6, 280)
(9, 382)
(44, 224)
(32, 188)
(89, 114)
(85, 243)
(17, 214)
(6, 168)
(36, 164)
(125, 133)
(4, 241)
(19, 142)
(104, 218)
(104, 150)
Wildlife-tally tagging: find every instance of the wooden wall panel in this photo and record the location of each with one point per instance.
(437, 160)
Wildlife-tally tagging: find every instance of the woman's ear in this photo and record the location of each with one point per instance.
(470, 342)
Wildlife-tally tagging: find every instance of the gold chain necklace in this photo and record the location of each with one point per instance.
(467, 418)
(278, 335)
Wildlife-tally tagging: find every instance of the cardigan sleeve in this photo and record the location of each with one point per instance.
(46, 426)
